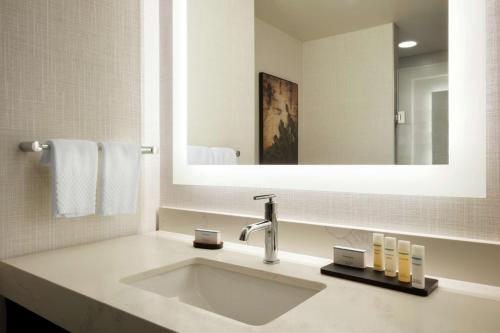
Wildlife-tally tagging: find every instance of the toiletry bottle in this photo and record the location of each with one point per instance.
(391, 256)
(417, 266)
(378, 252)
(404, 261)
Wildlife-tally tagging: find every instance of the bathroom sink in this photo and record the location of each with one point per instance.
(250, 296)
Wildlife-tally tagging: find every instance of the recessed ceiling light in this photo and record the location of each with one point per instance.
(408, 44)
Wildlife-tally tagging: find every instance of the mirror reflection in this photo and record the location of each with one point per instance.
(318, 82)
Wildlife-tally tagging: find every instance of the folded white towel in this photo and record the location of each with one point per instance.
(223, 155)
(73, 165)
(119, 180)
(199, 155)
(211, 155)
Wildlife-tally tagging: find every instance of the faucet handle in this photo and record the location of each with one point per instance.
(265, 196)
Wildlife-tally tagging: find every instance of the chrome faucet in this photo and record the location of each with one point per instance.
(269, 225)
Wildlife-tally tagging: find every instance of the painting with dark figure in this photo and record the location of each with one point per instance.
(279, 116)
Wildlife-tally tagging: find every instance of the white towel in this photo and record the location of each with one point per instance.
(223, 155)
(119, 179)
(73, 164)
(200, 155)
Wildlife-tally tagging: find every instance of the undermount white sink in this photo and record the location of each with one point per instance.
(250, 296)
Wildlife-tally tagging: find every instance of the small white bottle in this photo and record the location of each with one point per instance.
(378, 252)
(418, 266)
(391, 257)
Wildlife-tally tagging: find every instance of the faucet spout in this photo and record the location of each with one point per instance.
(249, 229)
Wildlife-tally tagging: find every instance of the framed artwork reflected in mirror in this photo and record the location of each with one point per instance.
(278, 120)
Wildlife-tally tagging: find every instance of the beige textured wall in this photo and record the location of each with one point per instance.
(220, 78)
(461, 217)
(68, 69)
(348, 98)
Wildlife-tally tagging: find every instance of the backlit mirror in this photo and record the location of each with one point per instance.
(326, 82)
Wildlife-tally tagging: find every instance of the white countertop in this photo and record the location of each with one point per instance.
(79, 289)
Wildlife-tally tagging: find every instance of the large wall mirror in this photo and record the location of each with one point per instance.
(335, 82)
(270, 92)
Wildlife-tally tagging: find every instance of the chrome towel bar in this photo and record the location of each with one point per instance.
(35, 146)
